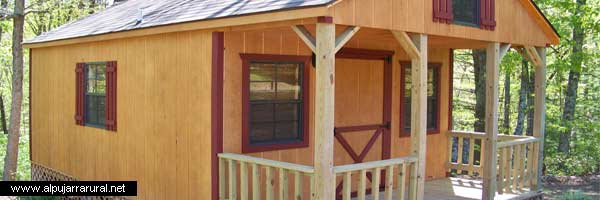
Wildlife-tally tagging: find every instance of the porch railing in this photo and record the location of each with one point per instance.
(517, 164)
(394, 169)
(517, 159)
(232, 166)
(473, 163)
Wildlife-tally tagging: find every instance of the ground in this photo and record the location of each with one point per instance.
(556, 187)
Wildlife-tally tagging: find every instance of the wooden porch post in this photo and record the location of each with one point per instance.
(491, 121)
(324, 179)
(539, 116)
(418, 125)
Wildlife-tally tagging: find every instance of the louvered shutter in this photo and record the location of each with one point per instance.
(79, 93)
(442, 11)
(488, 14)
(111, 96)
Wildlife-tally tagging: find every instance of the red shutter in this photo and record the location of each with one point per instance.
(79, 93)
(488, 14)
(111, 96)
(442, 11)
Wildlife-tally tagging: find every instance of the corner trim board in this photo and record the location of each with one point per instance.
(218, 49)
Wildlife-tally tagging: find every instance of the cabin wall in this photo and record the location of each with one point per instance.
(514, 24)
(285, 41)
(163, 113)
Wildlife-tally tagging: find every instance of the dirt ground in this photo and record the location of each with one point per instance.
(556, 187)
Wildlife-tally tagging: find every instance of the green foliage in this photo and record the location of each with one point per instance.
(574, 195)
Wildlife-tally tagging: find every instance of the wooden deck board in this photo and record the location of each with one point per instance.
(455, 189)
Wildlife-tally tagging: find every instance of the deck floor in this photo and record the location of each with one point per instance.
(455, 189)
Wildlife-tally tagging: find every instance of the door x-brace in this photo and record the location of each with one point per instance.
(359, 158)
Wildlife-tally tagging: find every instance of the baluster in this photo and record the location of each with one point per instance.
(283, 184)
(312, 186)
(375, 181)
(508, 169)
(243, 181)
(270, 183)
(298, 195)
(362, 185)
(222, 179)
(347, 190)
(389, 182)
(232, 180)
(516, 167)
(401, 181)
(530, 167)
(459, 159)
(255, 182)
(471, 160)
(451, 151)
(523, 166)
(501, 171)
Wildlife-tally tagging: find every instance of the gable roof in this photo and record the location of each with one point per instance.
(124, 16)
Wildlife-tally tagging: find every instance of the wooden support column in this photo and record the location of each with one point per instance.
(418, 135)
(491, 121)
(539, 116)
(324, 178)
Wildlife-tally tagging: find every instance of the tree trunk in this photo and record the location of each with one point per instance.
(12, 151)
(522, 98)
(506, 124)
(479, 65)
(564, 141)
(3, 115)
(530, 102)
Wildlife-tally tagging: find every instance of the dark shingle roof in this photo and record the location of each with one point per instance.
(123, 17)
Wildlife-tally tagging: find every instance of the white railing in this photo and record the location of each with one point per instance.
(517, 164)
(394, 169)
(233, 166)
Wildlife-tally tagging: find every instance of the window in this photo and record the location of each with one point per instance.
(466, 12)
(433, 99)
(95, 92)
(275, 106)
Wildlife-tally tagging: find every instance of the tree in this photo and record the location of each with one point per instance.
(522, 98)
(479, 59)
(12, 150)
(576, 60)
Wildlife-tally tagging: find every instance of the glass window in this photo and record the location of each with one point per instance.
(433, 90)
(95, 94)
(466, 12)
(275, 102)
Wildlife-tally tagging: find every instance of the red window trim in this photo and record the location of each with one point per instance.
(434, 66)
(246, 59)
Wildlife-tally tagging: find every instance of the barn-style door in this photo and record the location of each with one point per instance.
(363, 107)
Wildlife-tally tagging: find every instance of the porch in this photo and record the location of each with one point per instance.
(506, 168)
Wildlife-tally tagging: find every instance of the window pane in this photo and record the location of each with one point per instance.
(91, 116)
(286, 131)
(262, 90)
(465, 11)
(261, 132)
(287, 112)
(262, 72)
(261, 112)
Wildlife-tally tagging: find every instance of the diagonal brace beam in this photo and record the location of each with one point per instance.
(407, 44)
(533, 55)
(342, 39)
(305, 35)
(504, 48)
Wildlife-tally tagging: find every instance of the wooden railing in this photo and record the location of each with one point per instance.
(471, 167)
(517, 164)
(232, 166)
(394, 169)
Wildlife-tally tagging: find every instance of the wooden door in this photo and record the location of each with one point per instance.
(362, 110)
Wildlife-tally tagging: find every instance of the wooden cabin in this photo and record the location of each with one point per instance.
(282, 99)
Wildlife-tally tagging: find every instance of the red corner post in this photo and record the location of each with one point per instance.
(216, 109)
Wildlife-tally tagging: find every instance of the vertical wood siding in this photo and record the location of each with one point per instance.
(163, 140)
(513, 23)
